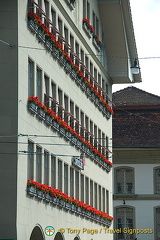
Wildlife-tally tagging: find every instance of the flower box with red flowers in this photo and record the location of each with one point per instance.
(41, 113)
(88, 28)
(55, 125)
(71, 3)
(48, 198)
(64, 201)
(97, 42)
(33, 22)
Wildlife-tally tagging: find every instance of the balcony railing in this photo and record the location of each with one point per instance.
(34, 8)
(74, 123)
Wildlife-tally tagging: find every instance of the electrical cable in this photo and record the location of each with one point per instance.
(34, 48)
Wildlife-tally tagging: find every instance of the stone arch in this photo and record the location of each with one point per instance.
(37, 233)
(59, 236)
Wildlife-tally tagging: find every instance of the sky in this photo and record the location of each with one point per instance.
(146, 23)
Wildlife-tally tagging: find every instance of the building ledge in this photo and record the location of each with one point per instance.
(136, 197)
(119, 40)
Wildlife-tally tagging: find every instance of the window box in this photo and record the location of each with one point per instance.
(55, 125)
(67, 67)
(83, 85)
(74, 139)
(62, 60)
(48, 44)
(48, 198)
(71, 3)
(88, 214)
(32, 191)
(87, 29)
(88, 91)
(55, 52)
(97, 218)
(62, 131)
(61, 203)
(41, 35)
(68, 135)
(40, 194)
(32, 107)
(79, 143)
(73, 208)
(33, 26)
(79, 210)
(97, 43)
(73, 74)
(41, 114)
(68, 205)
(48, 120)
(93, 96)
(54, 200)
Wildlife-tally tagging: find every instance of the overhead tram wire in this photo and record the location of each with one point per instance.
(34, 48)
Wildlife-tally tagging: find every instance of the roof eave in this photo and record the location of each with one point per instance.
(119, 40)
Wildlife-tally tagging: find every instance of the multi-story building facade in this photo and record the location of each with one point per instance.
(57, 70)
(136, 149)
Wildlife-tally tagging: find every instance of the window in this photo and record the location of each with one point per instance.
(53, 85)
(77, 185)
(99, 140)
(87, 65)
(87, 128)
(82, 187)
(53, 92)
(99, 197)
(77, 120)
(157, 180)
(95, 136)
(103, 200)
(82, 124)
(66, 109)
(71, 182)
(30, 78)
(66, 178)
(46, 82)
(91, 192)
(30, 160)
(95, 195)
(124, 180)
(66, 38)
(46, 167)
(38, 164)
(84, 8)
(46, 9)
(91, 131)
(82, 60)
(60, 175)
(94, 21)
(60, 103)
(46, 6)
(107, 201)
(53, 171)
(39, 83)
(72, 47)
(53, 17)
(88, 10)
(77, 54)
(86, 190)
(60, 29)
(157, 223)
(124, 219)
(97, 26)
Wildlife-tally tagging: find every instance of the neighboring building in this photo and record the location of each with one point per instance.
(56, 89)
(136, 148)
